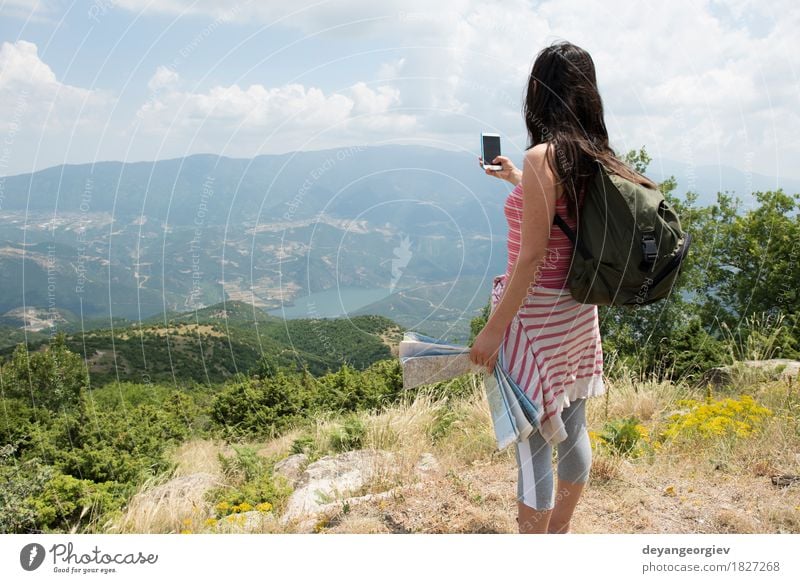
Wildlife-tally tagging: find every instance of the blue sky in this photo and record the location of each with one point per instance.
(696, 81)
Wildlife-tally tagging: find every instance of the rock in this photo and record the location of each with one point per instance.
(785, 480)
(717, 377)
(248, 522)
(788, 368)
(308, 524)
(721, 375)
(292, 467)
(427, 464)
(334, 478)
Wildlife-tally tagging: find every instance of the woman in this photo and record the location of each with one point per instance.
(551, 343)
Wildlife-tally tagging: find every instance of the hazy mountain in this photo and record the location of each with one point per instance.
(706, 180)
(87, 243)
(265, 189)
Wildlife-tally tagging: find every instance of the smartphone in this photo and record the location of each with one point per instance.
(490, 149)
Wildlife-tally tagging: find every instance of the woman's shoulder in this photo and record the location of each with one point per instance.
(537, 152)
(561, 198)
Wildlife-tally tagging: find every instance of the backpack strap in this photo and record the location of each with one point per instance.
(579, 245)
(557, 220)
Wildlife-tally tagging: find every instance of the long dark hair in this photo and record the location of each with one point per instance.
(563, 107)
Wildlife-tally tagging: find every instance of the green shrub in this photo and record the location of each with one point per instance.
(52, 378)
(347, 436)
(69, 502)
(22, 482)
(690, 351)
(254, 486)
(623, 437)
(265, 407)
(304, 444)
(266, 368)
(121, 445)
(258, 406)
(245, 465)
(443, 421)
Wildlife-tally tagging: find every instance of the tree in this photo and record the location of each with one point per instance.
(765, 253)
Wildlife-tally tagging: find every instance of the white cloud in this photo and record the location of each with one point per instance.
(688, 79)
(255, 115)
(30, 10)
(163, 77)
(346, 17)
(697, 80)
(21, 65)
(372, 101)
(392, 69)
(46, 103)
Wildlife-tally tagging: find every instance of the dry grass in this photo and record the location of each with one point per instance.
(165, 504)
(712, 486)
(700, 486)
(198, 456)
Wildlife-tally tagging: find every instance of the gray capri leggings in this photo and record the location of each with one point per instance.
(535, 459)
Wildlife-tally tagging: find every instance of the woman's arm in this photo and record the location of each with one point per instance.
(538, 209)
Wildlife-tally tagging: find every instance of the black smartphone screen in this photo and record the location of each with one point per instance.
(491, 148)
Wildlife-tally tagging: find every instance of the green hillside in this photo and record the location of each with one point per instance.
(214, 343)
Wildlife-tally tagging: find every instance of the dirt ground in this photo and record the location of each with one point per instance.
(633, 499)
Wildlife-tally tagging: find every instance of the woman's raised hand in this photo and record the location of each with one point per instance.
(509, 172)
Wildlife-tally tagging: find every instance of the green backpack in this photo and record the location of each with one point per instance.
(630, 246)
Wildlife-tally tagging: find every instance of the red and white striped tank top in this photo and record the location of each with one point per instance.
(555, 267)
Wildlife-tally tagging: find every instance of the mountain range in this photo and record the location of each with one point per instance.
(81, 245)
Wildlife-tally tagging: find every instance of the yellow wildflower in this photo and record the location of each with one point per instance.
(738, 417)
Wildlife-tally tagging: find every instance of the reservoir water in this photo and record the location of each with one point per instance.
(331, 303)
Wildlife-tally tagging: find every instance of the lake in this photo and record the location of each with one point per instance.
(331, 303)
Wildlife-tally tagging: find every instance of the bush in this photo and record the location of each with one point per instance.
(19, 420)
(443, 421)
(624, 437)
(258, 406)
(266, 367)
(76, 466)
(53, 378)
(270, 405)
(66, 502)
(22, 482)
(304, 444)
(691, 351)
(120, 445)
(255, 487)
(347, 436)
